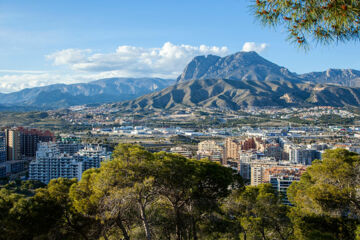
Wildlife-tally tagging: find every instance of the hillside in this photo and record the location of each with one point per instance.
(235, 94)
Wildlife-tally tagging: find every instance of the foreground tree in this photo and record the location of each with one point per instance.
(327, 197)
(257, 213)
(139, 195)
(324, 21)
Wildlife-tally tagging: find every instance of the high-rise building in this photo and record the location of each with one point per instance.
(232, 148)
(50, 163)
(92, 156)
(13, 144)
(257, 171)
(3, 153)
(30, 138)
(303, 156)
(69, 148)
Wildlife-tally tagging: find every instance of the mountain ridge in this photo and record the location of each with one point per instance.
(251, 70)
(235, 95)
(98, 91)
(252, 66)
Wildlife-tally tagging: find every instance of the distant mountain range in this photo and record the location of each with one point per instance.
(343, 77)
(239, 80)
(246, 79)
(96, 92)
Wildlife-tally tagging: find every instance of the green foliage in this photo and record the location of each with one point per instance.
(323, 21)
(152, 196)
(327, 197)
(257, 213)
(143, 195)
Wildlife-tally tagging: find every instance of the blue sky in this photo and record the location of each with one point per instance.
(44, 42)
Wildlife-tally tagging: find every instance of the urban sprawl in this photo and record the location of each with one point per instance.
(260, 154)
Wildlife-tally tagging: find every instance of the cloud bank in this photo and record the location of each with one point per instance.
(168, 60)
(252, 46)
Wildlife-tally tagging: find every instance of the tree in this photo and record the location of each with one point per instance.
(324, 21)
(257, 213)
(140, 195)
(119, 192)
(327, 197)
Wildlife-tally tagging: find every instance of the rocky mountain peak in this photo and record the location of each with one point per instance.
(237, 66)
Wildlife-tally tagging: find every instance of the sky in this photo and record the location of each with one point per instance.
(44, 42)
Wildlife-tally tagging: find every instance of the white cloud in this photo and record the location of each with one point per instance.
(169, 60)
(252, 46)
(68, 56)
(15, 82)
(86, 65)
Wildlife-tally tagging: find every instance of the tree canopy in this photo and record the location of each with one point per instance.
(326, 199)
(143, 195)
(324, 21)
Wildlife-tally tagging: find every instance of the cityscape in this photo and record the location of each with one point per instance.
(191, 120)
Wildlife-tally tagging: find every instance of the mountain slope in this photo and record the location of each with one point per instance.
(239, 66)
(100, 91)
(344, 77)
(235, 94)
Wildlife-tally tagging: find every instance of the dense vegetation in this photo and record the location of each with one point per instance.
(143, 195)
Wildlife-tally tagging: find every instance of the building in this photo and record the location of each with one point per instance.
(232, 148)
(182, 151)
(92, 156)
(3, 152)
(303, 156)
(281, 184)
(257, 171)
(69, 148)
(22, 143)
(13, 144)
(211, 150)
(281, 178)
(9, 168)
(50, 163)
(29, 139)
(273, 150)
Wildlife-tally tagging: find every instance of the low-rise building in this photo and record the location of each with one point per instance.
(182, 151)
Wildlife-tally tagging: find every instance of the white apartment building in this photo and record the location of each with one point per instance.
(50, 163)
(92, 156)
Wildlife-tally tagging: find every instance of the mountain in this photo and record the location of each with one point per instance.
(246, 79)
(239, 66)
(344, 77)
(100, 91)
(251, 66)
(237, 94)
